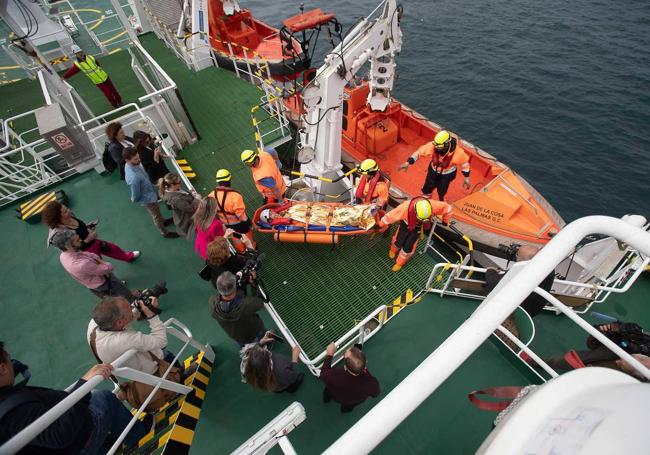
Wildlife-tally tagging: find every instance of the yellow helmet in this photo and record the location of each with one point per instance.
(248, 156)
(423, 210)
(442, 141)
(368, 166)
(223, 175)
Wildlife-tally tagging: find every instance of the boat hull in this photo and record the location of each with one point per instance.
(499, 208)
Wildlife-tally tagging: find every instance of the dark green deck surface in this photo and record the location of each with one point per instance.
(45, 313)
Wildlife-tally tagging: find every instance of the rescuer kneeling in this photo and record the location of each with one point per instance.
(412, 216)
(446, 155)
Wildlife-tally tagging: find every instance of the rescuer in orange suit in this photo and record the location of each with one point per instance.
(412, 215)
(266, 174)
(231, 210)
(372, 187)
(446, 155)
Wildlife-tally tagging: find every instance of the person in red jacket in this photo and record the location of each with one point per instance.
(350, 385)
(412, 215)
(89, 65)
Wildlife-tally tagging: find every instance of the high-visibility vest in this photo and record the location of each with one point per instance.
(230, 205)
(91, 69)
(268, 168)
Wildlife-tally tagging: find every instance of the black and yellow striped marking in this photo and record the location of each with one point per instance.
(176, 422)
(186, 168)
(398, 305)
(35, 206)
(61, 59)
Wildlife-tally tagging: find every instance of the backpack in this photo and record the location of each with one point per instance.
(107, 159)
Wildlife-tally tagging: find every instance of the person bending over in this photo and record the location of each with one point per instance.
(269, 371)
(89, 427)
(350, 385)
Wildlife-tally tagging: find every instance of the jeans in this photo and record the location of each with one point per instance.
(110, 417)
(257, 338)
(113, 286)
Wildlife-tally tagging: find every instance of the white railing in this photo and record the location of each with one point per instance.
(516, 285)
(357, 334)
(621, 280)
(174, 328)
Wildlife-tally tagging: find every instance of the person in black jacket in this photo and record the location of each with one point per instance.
(151, 157)
(118, 142)
(89, 427)
(221, 259)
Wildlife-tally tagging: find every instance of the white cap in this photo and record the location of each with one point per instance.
(75, 49)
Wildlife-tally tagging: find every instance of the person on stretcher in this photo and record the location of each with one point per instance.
(361, 216)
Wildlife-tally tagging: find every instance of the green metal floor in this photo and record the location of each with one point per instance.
(45, 313)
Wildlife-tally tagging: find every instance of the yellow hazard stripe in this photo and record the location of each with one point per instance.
(181, 161)
(186, 167)
(182, 435)
(31, 202)
(38, 207)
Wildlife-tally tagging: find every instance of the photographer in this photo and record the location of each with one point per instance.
(236, 310)
(220, 258)
(152, 157)
(110, 335)
(89, 427)
(629, 336)
(91, 271)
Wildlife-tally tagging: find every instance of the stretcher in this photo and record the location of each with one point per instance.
(315, 222)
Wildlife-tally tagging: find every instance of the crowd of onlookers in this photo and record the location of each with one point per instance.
(92, 425)
(222, 236)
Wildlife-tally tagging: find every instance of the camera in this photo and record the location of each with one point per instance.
(146, 299)
(252, 265)
(509, 251)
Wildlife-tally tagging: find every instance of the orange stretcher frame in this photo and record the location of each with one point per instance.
(298, 232)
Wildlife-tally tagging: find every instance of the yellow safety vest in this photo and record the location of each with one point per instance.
(91, 69)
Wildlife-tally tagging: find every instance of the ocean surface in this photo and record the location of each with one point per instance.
(559, 90)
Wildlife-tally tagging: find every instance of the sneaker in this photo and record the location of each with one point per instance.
(392, 254)
(134, 255)
(171, 235)
(168, 221)
(397, 267)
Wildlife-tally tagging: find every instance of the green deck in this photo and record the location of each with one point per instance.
(45, 313)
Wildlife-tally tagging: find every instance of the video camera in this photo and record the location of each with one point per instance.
(509, 251)
(252, 266)
(146, 299)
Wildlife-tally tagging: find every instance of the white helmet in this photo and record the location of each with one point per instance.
(265, 216)
(75, 49)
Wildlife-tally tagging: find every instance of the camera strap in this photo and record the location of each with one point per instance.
(93, 347)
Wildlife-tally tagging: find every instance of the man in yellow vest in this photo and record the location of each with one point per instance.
(89, 65)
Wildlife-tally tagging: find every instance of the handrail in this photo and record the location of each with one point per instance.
(170, 81)
(518, 283)
(20, 440)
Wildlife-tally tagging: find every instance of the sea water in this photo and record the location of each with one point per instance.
(559, 90)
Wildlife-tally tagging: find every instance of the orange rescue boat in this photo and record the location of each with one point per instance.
(239, 39)
(499, 208)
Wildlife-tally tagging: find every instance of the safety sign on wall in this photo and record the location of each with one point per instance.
(62, 141)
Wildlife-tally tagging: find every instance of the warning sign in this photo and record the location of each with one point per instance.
(62, 141)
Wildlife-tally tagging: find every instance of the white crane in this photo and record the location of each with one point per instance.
(376, 40)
